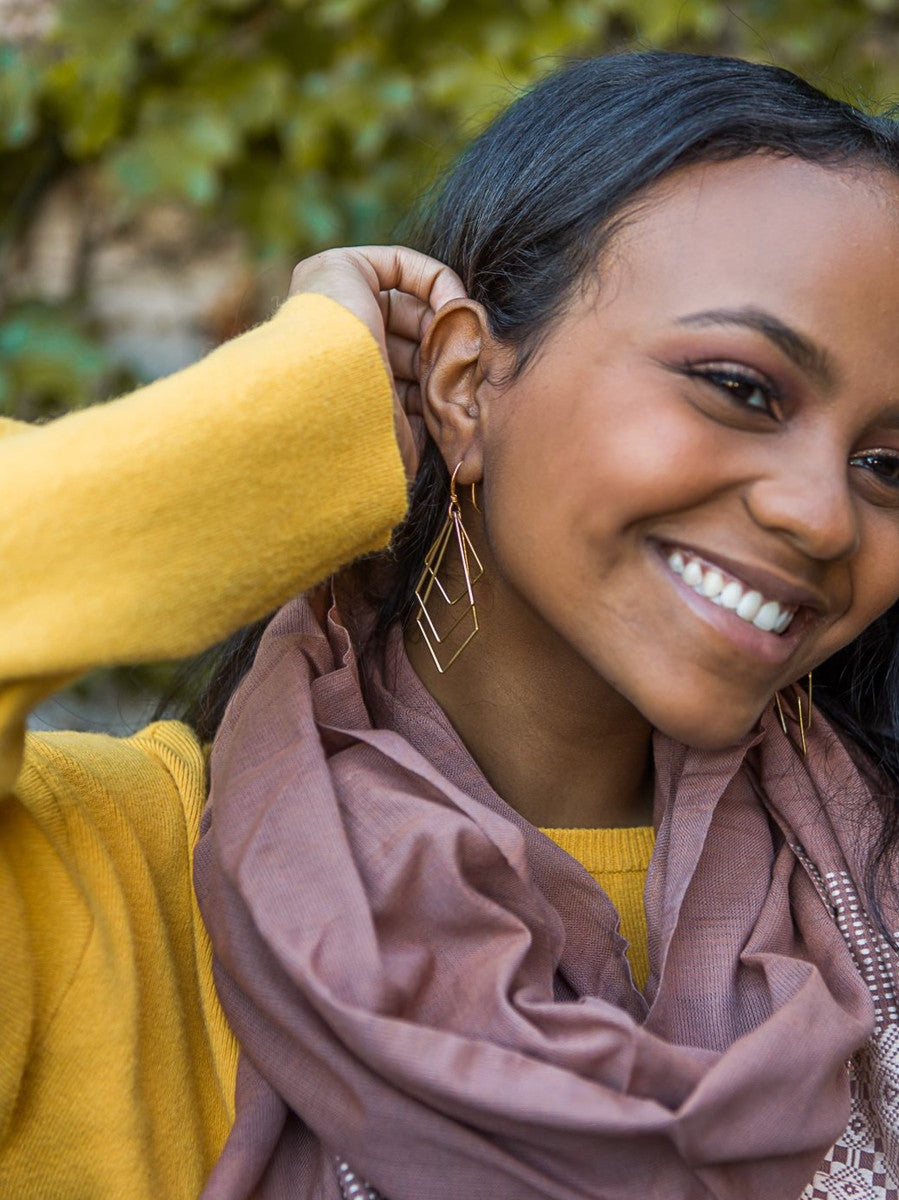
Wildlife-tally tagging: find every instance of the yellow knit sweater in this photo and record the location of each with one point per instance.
(140, 530)
(618, 860)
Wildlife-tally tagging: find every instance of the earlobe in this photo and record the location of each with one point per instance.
(451, 371)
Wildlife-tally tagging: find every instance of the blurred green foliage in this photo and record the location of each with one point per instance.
(315, 122)
(47, 360)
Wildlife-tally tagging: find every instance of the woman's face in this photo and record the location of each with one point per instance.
(695, 486)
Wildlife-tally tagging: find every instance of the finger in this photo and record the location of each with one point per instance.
(402, 354)
(413, 272)
(404, 314)
(409, 394)
(329, 269)
(419, 431)
(407, 443)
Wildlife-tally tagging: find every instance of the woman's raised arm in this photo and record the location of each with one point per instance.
(152, 526)
(146, 528)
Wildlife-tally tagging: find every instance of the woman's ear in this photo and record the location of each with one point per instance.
(457, 354)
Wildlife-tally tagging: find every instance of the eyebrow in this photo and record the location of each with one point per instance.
(809, 357)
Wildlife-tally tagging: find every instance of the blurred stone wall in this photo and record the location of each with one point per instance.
(161, 288)
(23, 21)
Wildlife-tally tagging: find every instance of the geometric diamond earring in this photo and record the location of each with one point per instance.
(451, 534)
(804, 720)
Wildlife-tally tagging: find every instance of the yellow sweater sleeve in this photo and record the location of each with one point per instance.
(149, 528)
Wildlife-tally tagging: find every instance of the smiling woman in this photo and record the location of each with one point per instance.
(682, 405)
(668, 407)
(659, 493)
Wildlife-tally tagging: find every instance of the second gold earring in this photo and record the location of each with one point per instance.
(803, 718)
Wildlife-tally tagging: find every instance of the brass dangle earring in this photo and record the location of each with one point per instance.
(803, 719)
(452, 534)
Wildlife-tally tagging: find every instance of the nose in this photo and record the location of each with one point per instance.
(807, 498)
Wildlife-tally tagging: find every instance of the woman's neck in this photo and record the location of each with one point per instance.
(552, 738)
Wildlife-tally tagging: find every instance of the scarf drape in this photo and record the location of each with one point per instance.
(427, 988)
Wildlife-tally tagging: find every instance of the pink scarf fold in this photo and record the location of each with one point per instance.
(426, 987)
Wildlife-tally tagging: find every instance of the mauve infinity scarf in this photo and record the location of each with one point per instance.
(426, 986)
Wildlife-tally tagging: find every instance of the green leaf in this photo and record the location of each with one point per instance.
(177, 153)
(48, 360)
(87, 96)
(250, 95)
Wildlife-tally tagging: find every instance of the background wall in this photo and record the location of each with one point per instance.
(163, 163)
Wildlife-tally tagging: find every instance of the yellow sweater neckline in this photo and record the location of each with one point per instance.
(625, 849)
(618, 860)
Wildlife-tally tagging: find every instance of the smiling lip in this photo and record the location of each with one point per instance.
(771, 586)
(764, 645)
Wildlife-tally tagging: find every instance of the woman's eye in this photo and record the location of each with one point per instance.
(883, 465)
(743, 388)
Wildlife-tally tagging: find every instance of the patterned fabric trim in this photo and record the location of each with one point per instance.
(864, 1163)
(351, 1186)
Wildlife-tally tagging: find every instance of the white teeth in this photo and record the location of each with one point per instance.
(751, 606)
(693, 574)
(767, 616)
(712, 584)
(785, 618)
(731, 596)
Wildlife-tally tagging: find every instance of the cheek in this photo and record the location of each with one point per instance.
(587, 460)
(875, 578)
(572, 480)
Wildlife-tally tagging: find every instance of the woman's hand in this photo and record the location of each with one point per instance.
(395, 292)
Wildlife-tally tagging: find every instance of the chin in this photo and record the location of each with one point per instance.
(707, 728)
